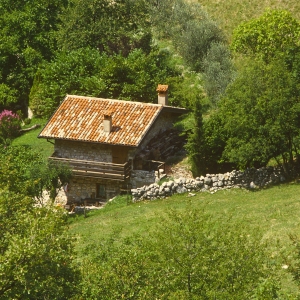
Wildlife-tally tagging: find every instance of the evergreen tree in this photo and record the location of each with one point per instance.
(196, 143)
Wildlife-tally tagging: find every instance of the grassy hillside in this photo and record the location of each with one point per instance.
(230, 13)
(275, 211)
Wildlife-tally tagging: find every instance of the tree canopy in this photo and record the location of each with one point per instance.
(260, 114)
(26, 38)
(258, 117)
(86, 72)
(111, 27)
(274, 33)
(35, 251)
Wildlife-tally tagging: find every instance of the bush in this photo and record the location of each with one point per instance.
(36, 252)
(10, 124)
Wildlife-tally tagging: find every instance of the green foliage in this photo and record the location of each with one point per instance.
(35, 251)
(10, 124)
(185, 90)
(26, 37)
(24, 171)
(258, 117)
(199, 41)
(86, 72)
(232, 13)
(190, 255)
(116, 27)
(215, 141)
(189, 27)
(8, 95)
(260, 114)
(275, 33)
(196, 143)
(218, 71)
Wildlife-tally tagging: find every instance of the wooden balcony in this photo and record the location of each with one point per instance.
(95, 169)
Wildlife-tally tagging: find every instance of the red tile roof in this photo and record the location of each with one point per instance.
(81, 118)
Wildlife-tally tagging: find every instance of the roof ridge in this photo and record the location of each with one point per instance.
(113, 100)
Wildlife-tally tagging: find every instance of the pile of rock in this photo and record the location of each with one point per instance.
(250, 179)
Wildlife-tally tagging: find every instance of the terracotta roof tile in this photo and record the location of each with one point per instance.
(81, 118)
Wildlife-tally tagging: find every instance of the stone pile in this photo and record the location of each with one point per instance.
(249, 179)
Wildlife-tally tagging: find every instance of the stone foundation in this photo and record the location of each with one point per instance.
(140, 178)
(80, 189)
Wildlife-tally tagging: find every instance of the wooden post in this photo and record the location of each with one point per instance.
(84, 210)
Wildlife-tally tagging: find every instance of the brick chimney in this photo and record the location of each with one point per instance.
(162, 90)
(107, 122)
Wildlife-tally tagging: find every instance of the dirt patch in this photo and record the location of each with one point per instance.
(180, 169)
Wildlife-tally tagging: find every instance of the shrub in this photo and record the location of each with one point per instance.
(10, 124)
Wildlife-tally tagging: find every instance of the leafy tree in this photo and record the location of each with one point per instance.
(186, 90)
(218, 71)
(215, 141)
(24, 171)
(35, 251)
(112, 27)
(86, 72)
(260, 114)
(196, 143)
(198, 40)
(274, 33)
(26, 37)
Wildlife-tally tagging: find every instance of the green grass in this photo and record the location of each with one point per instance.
(230, 13)
(274, 211)
(30, 138)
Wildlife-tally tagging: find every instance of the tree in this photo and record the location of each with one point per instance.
(261, 108)
(196, 143)
(275, 33)
(111, 27)
(218, 71)
(24, 171)
(35, 251)
(86, 72)
(260, 114)
(26, 38)
(199, 41)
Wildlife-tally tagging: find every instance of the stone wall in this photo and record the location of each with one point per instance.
(250, 179)
(140, 178)
(83, 151)
(81, 188)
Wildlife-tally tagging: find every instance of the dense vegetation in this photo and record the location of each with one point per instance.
(244, 97)
(168, 248)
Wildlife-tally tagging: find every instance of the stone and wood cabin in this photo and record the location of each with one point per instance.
(106, 143)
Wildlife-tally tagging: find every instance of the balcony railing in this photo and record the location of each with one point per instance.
(153, 165)
(95, 169)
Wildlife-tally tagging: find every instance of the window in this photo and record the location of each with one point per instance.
(100, 191)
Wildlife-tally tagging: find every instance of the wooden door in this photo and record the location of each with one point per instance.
(119, 155)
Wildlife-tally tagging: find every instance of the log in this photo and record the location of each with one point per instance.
(30, 128)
